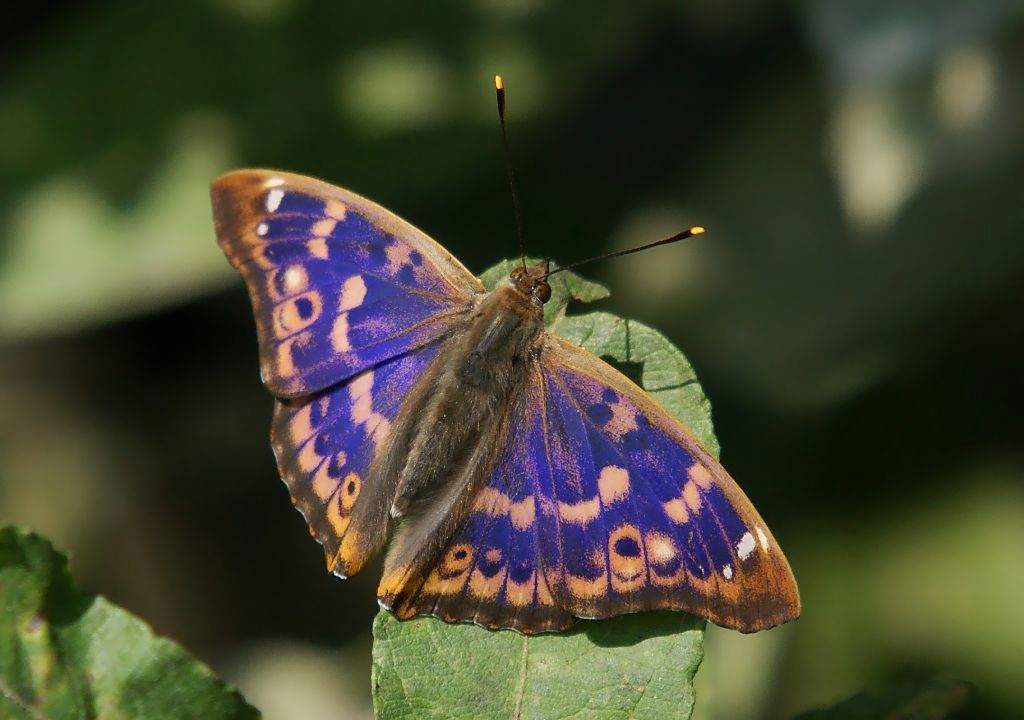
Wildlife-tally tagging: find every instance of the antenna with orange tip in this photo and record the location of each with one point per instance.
(499, 87)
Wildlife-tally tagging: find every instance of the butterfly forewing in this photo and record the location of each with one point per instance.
(638, 516)
(337, 283)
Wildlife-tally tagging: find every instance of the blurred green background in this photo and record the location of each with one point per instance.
(854, 311)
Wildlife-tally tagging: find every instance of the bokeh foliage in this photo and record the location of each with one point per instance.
(853, 311)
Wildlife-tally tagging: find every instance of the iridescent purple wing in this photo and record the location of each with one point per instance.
(337, 283)
(324, 444)
(350, 302)
(491, 572)
(602, 504)
(638, 516)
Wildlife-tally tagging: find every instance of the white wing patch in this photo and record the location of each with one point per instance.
(745, 546)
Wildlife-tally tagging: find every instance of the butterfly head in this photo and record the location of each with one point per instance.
(533, 281)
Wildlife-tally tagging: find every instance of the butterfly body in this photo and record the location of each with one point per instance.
(447, 435)
(523, 481)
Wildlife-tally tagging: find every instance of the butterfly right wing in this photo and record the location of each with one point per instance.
(337, 283)
(491, 571)
(640, 516)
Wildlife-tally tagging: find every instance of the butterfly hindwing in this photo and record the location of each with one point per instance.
(325, 444)
(337, 283)
(491, 573)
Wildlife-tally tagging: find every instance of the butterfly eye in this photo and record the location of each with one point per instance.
(542, 291)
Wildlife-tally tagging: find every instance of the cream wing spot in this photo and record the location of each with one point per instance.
(727, 571)
(274, 198)
(692, 496)
(613, 484)
(323, 485)
(318, 248)
(262, 229)
(285, 365)
(522, 513)
(308, 459)
(300, 427)
(699, 475)
(353, 292)
(376, 425)
(660, 547)
(762, 537)
(398, 255)
(295, 279)
(622, 421)
(484, 587)
(584, 589)
(745, 546)
(676, 510)
(520, 594)
(380, 427)
(579, 513)
(273, 182)
(361, 384)
(491, 501)
(362, 409)
(336, 210)
(323, 228)
(339, 333)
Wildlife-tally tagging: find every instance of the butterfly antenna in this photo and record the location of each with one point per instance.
(499, 88)
(689, 232)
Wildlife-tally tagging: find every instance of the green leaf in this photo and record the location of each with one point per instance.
(67, 654)
(635, 666)
(934, 699)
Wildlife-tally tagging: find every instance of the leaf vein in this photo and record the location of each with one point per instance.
(521, 690)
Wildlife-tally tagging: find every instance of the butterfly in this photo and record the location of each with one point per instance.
(523, 482)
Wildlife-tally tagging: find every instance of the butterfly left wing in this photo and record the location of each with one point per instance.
(601, 504)
(325, 443)
(337, 283)
(351, 305)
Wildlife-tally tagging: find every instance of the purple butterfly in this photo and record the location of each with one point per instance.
(524, 482)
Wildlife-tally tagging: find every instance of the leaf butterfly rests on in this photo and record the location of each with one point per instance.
(523, 481)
